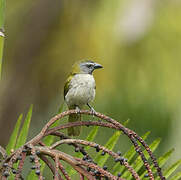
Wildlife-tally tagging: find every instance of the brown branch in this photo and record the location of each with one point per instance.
(92, 144)
(76, 163)
(80, 123)
(130, 135)
(81, 177)
(77, 146)
(36, 161)
(3, 152)
(121, 127)
(20, 166)
(49, 164)
(100, 170)
(56, 175)
(151, 155)
(67, 158)
(64, 172)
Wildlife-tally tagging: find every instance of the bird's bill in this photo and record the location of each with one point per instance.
(97, 66)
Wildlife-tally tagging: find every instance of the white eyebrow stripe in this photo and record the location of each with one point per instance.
(89, 63)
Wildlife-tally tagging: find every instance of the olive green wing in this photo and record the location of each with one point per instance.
(67, 85)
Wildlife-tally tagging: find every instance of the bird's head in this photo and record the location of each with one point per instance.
(85, 67)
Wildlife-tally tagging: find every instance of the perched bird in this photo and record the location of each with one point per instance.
(79, 90)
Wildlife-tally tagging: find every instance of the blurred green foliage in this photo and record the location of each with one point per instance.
(138, 43)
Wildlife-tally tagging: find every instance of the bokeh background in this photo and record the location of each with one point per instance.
(138, 43)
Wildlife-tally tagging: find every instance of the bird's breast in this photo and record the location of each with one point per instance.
(81, 91)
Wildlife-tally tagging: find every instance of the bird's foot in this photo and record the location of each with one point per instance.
(77, 109)
(93, 111)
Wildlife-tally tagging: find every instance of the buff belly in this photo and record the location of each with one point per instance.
(81, 90)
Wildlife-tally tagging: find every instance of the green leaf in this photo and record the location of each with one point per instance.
(128, 155)
(168, 172)
(109, 145)
(23, 133)
(61, 108)
(24, 130)
(92, 135)
(14, 135)
(138, 163)
(176, 176)
(32, 175)
(161, 161)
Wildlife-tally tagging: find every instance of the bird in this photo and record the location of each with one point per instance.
(79, 90)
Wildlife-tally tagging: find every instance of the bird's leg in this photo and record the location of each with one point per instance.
(91, 108)
(77, 109)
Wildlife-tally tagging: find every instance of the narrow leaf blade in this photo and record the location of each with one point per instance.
(168, 172)
(161, 161)
(100, 160)
(92, 134)
(14, 135)
(24, 130)
(176, 176)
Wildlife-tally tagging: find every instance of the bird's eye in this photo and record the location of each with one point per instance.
(89, 65)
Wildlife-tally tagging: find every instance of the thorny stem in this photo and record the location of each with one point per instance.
(78, 164)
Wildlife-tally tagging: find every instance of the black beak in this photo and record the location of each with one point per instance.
(97, 66)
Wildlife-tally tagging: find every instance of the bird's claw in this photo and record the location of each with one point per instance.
(93, 111)
(77, 109)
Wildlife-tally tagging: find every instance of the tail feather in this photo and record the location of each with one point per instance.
(74, 131)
